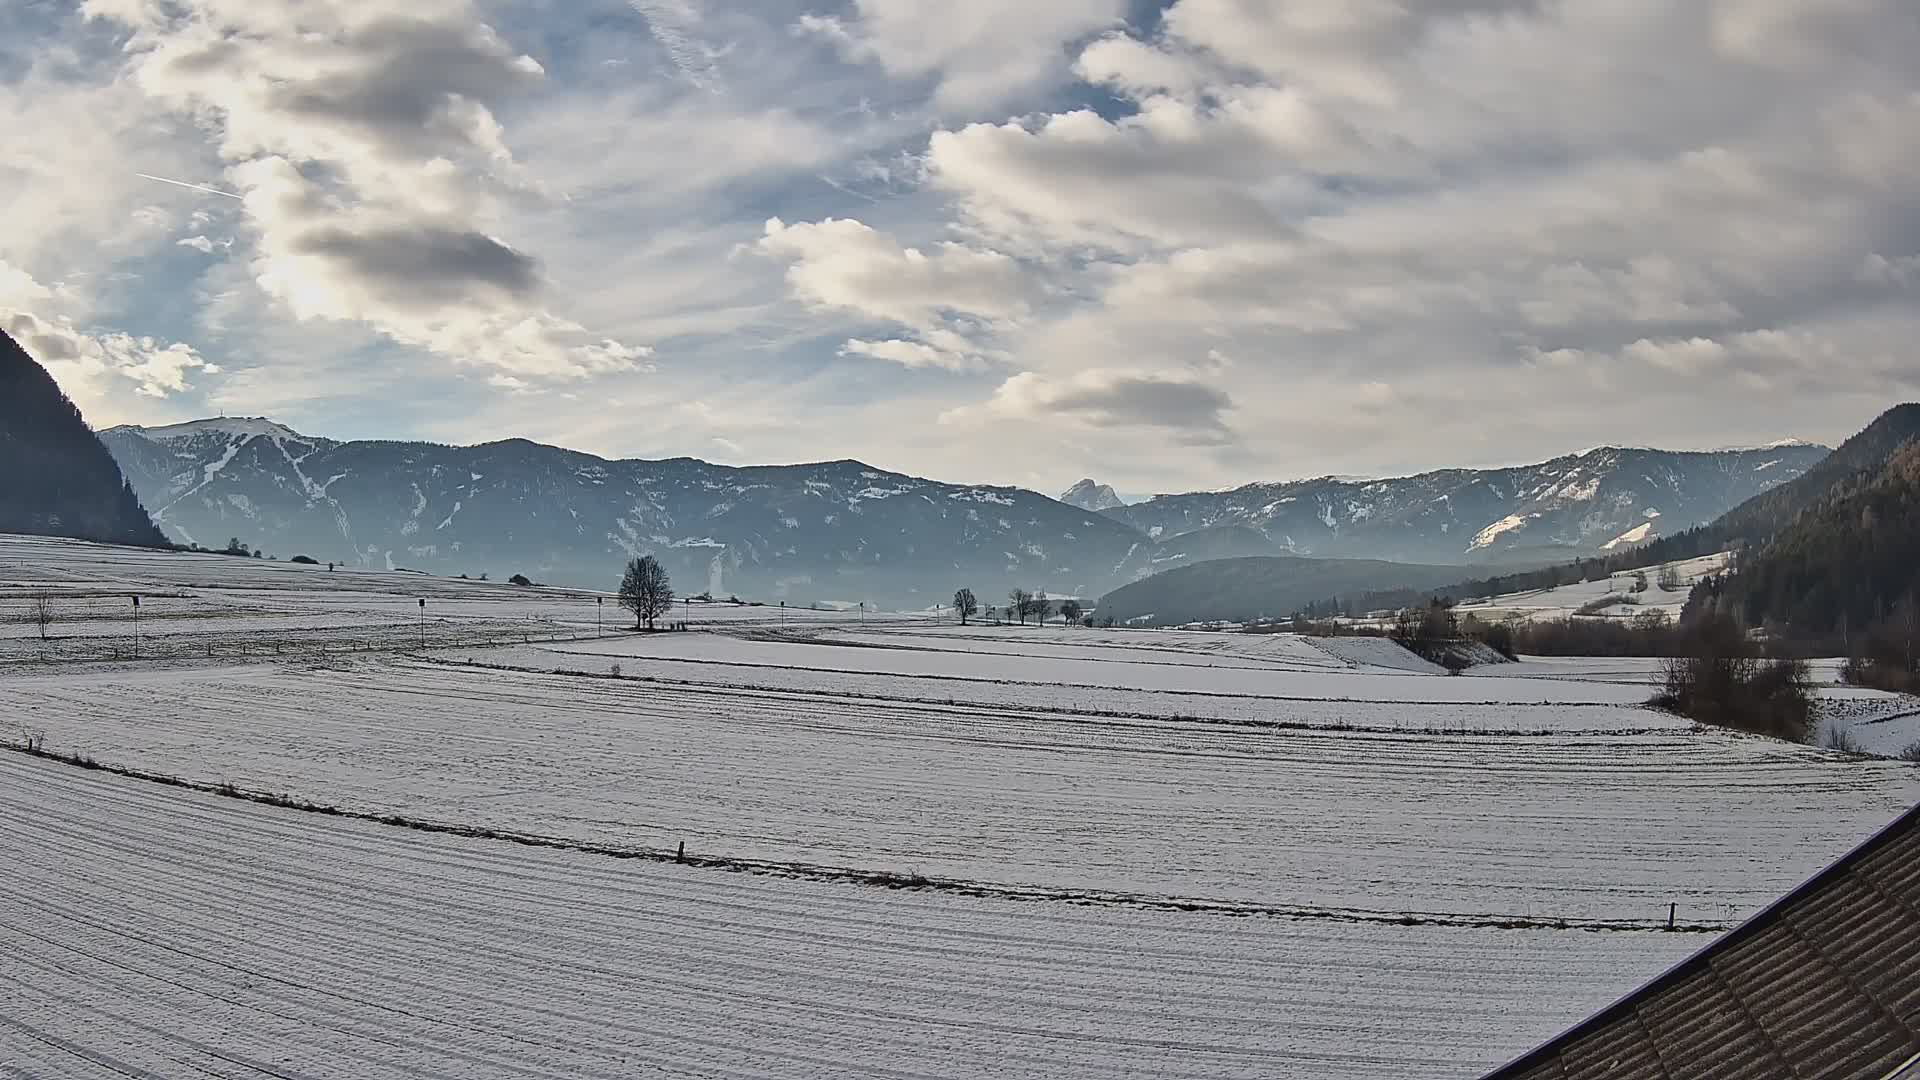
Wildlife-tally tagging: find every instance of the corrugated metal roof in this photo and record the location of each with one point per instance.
(1824, 983)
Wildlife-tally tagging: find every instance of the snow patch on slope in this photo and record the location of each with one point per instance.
(1485, 537)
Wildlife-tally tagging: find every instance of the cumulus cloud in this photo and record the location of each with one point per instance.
(948, 297)
(1587, 220)
(1388, 194)
(979, 53)
(1191, 410)
(373, 168)
(84, 364)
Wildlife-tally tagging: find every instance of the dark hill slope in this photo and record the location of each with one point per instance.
(1847, 564)
(56, 479)
(1272, 587)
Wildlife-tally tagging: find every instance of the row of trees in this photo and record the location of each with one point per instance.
(1021, 605)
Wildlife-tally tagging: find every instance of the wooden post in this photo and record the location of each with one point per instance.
(681, 855)
(1672, 910)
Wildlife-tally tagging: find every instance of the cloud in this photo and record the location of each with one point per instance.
(1498, 227)
(978, 54)
(913, 354)
(83, 363)
(1194, 411)
(373, 168)
(951, 297)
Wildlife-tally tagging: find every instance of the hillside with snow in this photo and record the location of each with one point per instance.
(819, 532)
(1581, 504)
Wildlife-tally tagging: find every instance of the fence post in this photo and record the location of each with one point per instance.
(1672, 910)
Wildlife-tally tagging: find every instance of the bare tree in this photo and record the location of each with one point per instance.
(1070, 610)
(42, 614)
(1042, 607)
(1020, 604)
(1669, 579)
(966, 605)
(646, 591)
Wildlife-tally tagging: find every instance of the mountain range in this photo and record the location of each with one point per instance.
(845, 531)
(1599, 500)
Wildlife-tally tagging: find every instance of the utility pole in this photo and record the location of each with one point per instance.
(136, 627)
(599, 610)
(423, 622)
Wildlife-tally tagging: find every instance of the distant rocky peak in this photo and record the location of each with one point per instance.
(1088, 495)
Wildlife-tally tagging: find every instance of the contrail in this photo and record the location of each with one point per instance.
(184, 184)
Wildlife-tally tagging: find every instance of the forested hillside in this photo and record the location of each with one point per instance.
(1249, 589)
(1846, 567)
(56, 479)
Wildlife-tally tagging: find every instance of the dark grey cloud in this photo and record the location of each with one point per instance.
(405, 78)
(1146, 400)
(1192, 411)
(422, 265)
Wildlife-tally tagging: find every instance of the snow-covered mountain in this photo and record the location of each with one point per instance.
(842, 530)
(1599, 500)
(1088, 495)
(836, 530)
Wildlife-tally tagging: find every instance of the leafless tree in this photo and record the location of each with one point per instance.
(1042, 607)
(1070, 610)
(1020, 604)
(965, 603)
(42, 613)
(646, 591)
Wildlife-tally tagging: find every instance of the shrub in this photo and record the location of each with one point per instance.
(1499, 637)
(1911, 753)
(1720, 679)
(1883, 662)
(1841, 739)
(305, 560)
(519, 579)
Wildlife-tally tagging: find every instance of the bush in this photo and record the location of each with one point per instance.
(1720, 679)
(305, 560)
(1885, 661)
(1911, 753)
(1498, 636)
(1840, 739)
(519, 579)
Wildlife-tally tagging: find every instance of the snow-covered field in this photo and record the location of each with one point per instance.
(211, 606)
(1149, 853)
(1567, 600)
(153, 932)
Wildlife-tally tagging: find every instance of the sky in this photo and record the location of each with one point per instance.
(1166, 245)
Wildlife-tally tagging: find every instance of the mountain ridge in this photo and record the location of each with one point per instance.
(1574, 502)
(828, 530)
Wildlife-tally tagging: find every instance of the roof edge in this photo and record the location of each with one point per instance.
(1750, 927)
